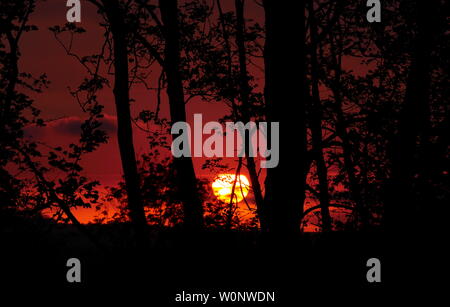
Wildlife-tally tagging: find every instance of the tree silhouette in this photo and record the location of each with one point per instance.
(285, 80)
(185, 174)
(116, 15)
(409, 145)
(362, 109)
(26, 164)
(316, 125)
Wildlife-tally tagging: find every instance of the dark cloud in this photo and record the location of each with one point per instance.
(69, 127)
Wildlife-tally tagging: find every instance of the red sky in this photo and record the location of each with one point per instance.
(41, 53)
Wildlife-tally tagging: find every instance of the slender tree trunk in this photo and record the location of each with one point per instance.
(245, 107)
(354, 186)
(13, 75)
(231, 207)
(124, 129)
(401, 205)
(361, 212)
(184, 168)
(316, 127)
(285, 97)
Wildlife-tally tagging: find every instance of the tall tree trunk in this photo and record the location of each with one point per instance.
(285, 97)
(401, 205)
(184, 168)
(316, 127)
(116, 17)
(245, 109)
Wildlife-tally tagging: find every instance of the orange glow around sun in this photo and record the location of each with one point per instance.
(223, 185)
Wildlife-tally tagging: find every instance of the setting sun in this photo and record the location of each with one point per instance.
(223, 185)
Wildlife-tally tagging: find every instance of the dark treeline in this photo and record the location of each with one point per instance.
(362, 107)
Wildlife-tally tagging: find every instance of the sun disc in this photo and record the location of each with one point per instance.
(223, 185)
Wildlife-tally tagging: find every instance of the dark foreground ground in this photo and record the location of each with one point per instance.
(315, 271)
